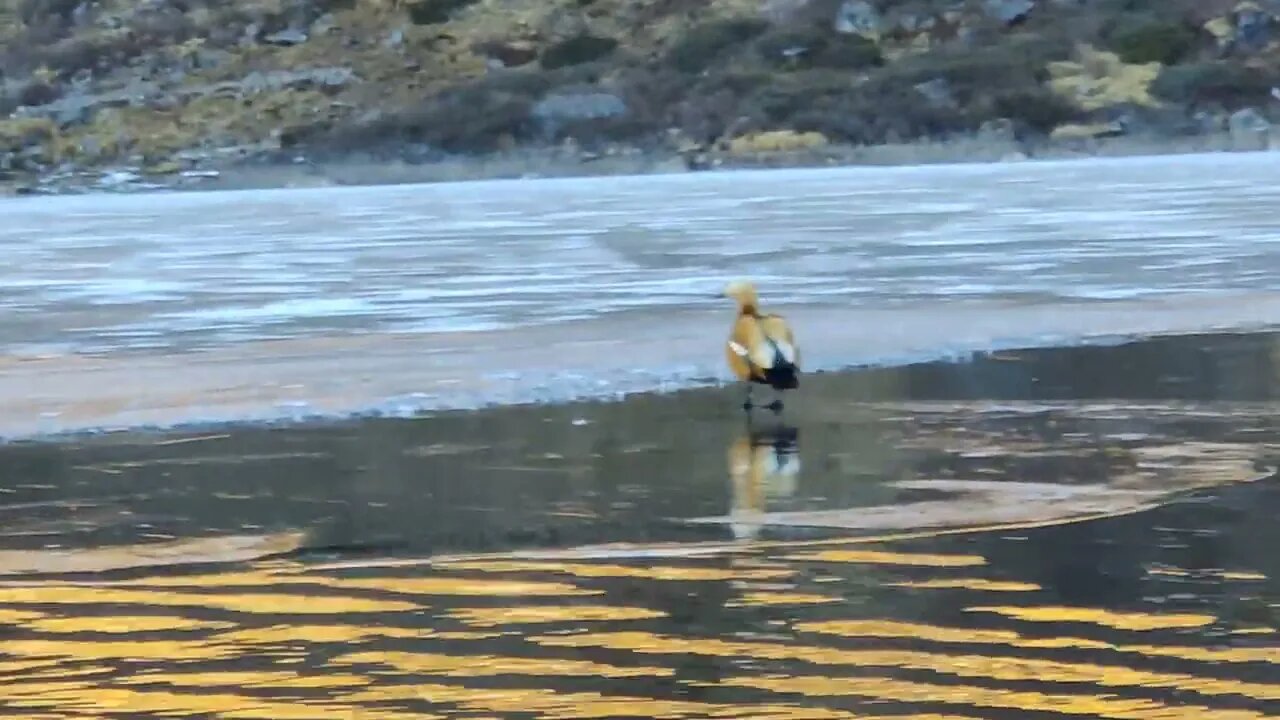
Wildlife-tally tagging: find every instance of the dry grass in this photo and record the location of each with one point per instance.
(772, 83)
(1098, 79)
(775, 141)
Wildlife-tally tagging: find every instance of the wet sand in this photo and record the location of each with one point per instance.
(1079, 532)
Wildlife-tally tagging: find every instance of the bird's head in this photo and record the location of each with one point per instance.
(742, 292)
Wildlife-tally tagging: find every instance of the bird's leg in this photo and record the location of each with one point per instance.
(746, 405)
(776, 405)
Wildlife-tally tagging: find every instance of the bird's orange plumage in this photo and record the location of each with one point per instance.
(761, 347)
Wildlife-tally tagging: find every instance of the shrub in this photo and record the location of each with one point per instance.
(35, 12)
(38, 93)
(576, 51)
(850, 52)
(702, 45)
(434, 12)
(1222, 83)
(18, 133)
(470, 118)
(817, 49)
(1138, 42)
(1037, 108)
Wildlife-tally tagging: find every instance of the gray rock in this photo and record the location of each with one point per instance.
(77, 107)
(1205, 121)
(937, 92)
(858, 17)
(1009, 11)
(509, 54)
(110, 21)
(116, 178)
(322, 78)
(1248, 120)
(205, 59)
(82, 15)
(10, 91)
(998, 130)
(916, 22)
(782, 11)
(89, 147)
(1249, 129)
(419, 153)
(568, 107)
(286, 37)
(1253, 29)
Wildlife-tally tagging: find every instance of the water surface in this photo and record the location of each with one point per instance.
(1074, 533)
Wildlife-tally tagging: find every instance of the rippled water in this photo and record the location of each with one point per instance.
(197, 269)
(1069, 533)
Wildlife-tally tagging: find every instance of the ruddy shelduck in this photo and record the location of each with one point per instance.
(761, 349)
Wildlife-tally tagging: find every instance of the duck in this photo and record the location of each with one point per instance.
(761, 349)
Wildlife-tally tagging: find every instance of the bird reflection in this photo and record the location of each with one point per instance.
(764, 464)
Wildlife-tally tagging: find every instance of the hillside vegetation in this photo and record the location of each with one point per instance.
(167, 85)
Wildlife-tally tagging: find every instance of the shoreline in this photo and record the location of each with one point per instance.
(1008, 442)
(359, 170)
(340, 378)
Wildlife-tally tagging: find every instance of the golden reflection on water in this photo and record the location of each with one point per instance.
(394, 646)
(1012, 669)
(592, 570)
(886, 629)
(529, 614)
(817, 629)
(586, 705)
(1107, 618)
(903, 691)
(490, 665)
(1221, 574)
(764, 597)
(876, 557)
(123, 624)
(977, 584)
(265, 603)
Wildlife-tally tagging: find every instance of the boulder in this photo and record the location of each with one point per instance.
(579, 106)
(782, 11)
(1009, 12)
(859, 17)
(1253, 28)
(555, 111)
(326, 79)
(1000, 130)
(508, 53)
(286, 37)
(1249, 129)
(937, 92)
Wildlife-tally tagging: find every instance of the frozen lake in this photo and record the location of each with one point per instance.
(525, 290)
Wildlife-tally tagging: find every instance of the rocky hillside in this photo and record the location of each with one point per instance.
(171, 86)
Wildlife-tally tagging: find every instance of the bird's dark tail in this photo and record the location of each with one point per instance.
(783, 375)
